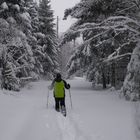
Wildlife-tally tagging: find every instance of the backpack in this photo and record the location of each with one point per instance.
(59, 89)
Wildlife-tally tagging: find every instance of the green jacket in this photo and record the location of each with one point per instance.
(59, 88)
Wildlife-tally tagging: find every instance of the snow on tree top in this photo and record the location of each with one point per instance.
(16, 41)
(1, 49)
(39, 35)
(3, 23)
(16, 6)
(4, 6)
(11, 20)
(28, 47)
(25, 16)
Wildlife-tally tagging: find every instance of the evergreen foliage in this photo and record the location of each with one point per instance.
(8, 78)
(131, 86)
(30, 49)
(110, 30)
(49, 39)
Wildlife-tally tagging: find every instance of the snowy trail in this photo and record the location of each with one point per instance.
(105, 115)
(70, 129)
(96, 115)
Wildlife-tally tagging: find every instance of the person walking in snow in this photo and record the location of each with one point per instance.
(59, 85)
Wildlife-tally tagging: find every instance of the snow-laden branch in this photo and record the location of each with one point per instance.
(101, 43)
(116, 57)
(126, 9)
(117, 20)
(49, 59)
(116, 23)
(117, 51)
(94, 37)
(21, 67)
(20, 57)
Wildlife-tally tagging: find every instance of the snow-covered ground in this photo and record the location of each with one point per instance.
(96, 114)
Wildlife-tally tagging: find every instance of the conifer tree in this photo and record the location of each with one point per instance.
(32, 9)
(131, 85)
(49, 40)
(13, 35)
(8, 77)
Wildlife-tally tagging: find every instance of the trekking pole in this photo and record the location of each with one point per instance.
(48, 99)
(70, 98)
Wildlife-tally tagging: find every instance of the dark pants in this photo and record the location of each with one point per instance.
(59, 102)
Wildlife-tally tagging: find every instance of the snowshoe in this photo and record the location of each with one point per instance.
(63, 111)
(57, 110)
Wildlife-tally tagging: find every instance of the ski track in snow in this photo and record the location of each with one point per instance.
(70, 130)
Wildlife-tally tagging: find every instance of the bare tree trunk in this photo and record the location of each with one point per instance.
(108, 78)
(103, 78)
(113, 75)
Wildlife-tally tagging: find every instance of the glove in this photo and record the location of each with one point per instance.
(68, 85)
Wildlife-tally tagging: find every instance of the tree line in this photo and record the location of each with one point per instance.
(27, 42)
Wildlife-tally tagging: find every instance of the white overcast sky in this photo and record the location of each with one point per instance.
(59, 6)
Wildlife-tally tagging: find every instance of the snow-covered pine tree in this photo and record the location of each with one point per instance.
(32, 9)
(48, 40)
(131, 85)
(8, 77)
(19, 52)
(25, 19)
(78, 61)
(9, 80)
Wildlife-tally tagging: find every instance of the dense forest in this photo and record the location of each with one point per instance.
(108, 55)
(110, 52)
